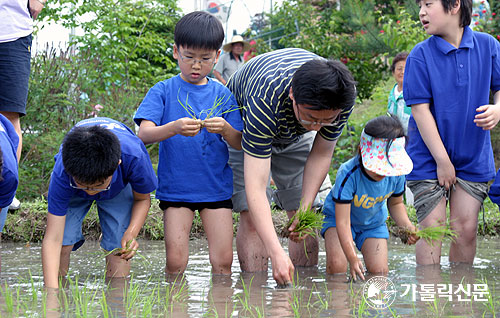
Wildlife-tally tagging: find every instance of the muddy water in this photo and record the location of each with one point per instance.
(314, 294)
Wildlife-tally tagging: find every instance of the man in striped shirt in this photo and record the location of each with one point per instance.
(294, 107)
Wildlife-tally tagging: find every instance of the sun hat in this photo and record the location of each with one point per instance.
(377, 159)
(236, 39)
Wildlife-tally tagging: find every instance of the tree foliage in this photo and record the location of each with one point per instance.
(131, 39)
(362, 34)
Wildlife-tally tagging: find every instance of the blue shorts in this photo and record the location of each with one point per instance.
(358, 235)
(15, 59)
(3, 217)
(114, 218)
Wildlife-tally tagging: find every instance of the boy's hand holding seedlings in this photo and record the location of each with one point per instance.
(188, 127)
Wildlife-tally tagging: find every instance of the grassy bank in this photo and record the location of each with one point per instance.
(27, 224)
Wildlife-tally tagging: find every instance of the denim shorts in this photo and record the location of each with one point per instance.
(15, 59)
(358, 235)
(3, 217)
(114, 218)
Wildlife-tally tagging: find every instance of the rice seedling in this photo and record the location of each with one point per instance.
(245, 298)
(309, 222)
(8, 297)
(429, 234)
(493, 303)
(215, 111)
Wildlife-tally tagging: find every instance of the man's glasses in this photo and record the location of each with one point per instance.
(307, 122)
(87, 188)
(191, 60)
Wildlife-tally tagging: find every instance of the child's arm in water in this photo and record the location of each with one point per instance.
(219, 125)
(397, 210)
(343, 221)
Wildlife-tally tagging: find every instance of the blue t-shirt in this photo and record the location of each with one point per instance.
(135, 169)
(191, 169)
(454, 82)
(9, 141)
(366, 196)
(494, 192)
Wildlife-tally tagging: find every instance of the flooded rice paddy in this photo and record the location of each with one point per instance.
(409, 291)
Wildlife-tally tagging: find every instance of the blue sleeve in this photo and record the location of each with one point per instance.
(152, 107)
(416, 82)
(494, 192)
(8, 187)
(345, 186)
(59, 190)
(399, 188)
(495, 72)
(233, 113)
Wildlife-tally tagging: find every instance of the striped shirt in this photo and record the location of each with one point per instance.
(261, 88)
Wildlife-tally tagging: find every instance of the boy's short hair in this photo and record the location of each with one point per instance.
(199, 30)
(401, 56)
(90, 154)
(324, 84)
(465, 10)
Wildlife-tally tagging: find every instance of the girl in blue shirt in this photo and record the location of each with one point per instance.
(356, 210)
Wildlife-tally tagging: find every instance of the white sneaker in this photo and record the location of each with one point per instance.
(15, 205)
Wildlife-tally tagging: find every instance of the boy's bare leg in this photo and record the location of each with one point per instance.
(425, 253)
(336, 262)
(375, 255)
(218, 225)
(464, 210)
(298, 253)
(117, 266)
(177, 224)
(252, 253)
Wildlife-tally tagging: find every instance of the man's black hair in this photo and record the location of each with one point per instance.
(199, 30)
(401, 56)
(90, 154)
(465, 10)
(386, 127)
(324, 84)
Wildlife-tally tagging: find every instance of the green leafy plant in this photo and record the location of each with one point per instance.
(309, 222)
(429, 234)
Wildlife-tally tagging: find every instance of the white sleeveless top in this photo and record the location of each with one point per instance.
(15, 20)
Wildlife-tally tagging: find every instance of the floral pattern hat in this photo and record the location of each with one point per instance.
(376, 158)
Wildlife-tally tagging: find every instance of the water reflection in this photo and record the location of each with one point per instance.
(200, 294)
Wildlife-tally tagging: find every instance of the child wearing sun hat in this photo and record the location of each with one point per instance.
(356, 210)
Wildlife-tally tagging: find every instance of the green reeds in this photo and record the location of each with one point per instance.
(429, 234)
(309, 222)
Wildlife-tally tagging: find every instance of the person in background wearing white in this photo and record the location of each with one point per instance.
(16, 28)
(232, 60)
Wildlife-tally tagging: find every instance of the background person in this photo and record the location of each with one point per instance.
(16, 27)
(232, 60)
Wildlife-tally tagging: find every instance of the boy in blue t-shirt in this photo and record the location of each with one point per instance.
(447, 82)
(100, 160)
(193, 118)
(9, 179)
